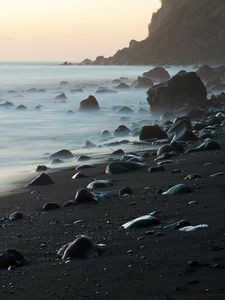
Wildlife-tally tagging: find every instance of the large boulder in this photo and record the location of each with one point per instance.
(90, 103)
(152, 132)
(158, 74)
(142, 83)
(183, 90)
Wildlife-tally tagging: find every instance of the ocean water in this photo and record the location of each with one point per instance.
(29, 136)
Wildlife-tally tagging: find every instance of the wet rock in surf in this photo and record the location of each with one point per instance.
(100, 183)
(84, 196)
(11, 258)
(80, 175)
(152, 132)
(141, 222)
(7, 104)
(89, 144)
(50, 206)
(121, 130)
(157, 74)
(75, 91)
(178, 189)
(81, 247)
(89, 104)
(217, 174)
(125, 110)
(83, 167)
(105, 134)
(83, 157)
(123, 167)
(21, 107)
(142, 83)
(41, 168)
(69, 203)
(16, 216)
(118, 152)
(63, 83)
(105, 90)
(61, 97)
(208, 145)
(62, 154)
(56, 161)
(43, 179)
(123, 86)
(126, 190)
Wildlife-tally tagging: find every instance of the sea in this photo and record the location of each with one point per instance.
(29, 136)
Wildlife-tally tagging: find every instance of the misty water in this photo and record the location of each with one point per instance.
(29, 136)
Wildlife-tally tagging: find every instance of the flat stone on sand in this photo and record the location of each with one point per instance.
(123, 167)
(178, 189)
(43, 179)
(141, 222)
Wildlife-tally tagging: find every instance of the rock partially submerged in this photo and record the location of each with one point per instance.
(81, 247)
(158, 74)
(43, 179)
(142, 83)
(123, 167)
(61, 97)
(122, 130)
(62, 154)
(144, 221)
(89, 104)
(178, 189)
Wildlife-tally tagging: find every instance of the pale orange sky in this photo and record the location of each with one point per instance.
(58, 30)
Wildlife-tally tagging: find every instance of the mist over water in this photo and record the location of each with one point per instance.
(29, 136)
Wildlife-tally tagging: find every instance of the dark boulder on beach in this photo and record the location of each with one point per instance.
(142, 83)
(152, 132)
(43, 179)
(11, 258)
(89, 104)
(119, 167)
(158, 74)
(16, 216)
(41, 168)
(184, 90)
(64, 154)
(84, 196)
(50, 206)
(121, 130)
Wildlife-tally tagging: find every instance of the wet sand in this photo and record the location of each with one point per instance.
(157, 267)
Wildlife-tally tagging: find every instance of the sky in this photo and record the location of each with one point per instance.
(70, 30)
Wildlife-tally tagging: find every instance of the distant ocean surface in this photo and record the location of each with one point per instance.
(29, 136)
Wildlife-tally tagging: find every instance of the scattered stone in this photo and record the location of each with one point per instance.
(81, 247)
(62, 154)
(11, 258)
(43, 179)
(217, 174)
(61, 97)
(83, 157)
(83, 167)
(178, 189)
(69, 203)
(123, 167)
(50, 206)
(194, 228)
(126, 190)
(123, 86)
(16, 216)
(142, 83)
(125, 110)
(21, 107)
(105, 90)
(89, 104)
(80, 175)
(118, 152)
(89, 144)
(84, 196)
(122, 130)
(105, 134)
(141, 222)
(7, 104)
(41, 168)
(157, 74)
(98, 184)
(152, 132)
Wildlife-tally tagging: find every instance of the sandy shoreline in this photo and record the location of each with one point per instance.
(147, 263)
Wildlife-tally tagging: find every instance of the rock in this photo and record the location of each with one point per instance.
(158, 74)
(100, 183)
(21, 107)
(81, 247)
(182, 130)
(105, 90)
(166, 162)
(118, 152)
(181, 224)
(61, 97)
(167, 148)
(123, 167)
(43, 179)
(105, 134)
(126, 190)
(125, 110)
(7, 104)
(105, 195)
(206, 146)
(83, 157)
(80, 175)
(192, 177)
(84, 196)
(78, 90)
(89, 144)
(152, 132)
(41, 168)
(156, 169)
(183, 90)
(217, 174)
(56, 161)
(11, 258)
(16, 216)
(141, 222)
(83, 167)
(122, 130)
(123, 86)
(208, 74)
(142, 83)
(89, 104)
(62, 154)
(50, 206)
(69, 203)
(193, 228)
(178, 189)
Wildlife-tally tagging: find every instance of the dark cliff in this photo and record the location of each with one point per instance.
(180, 32)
